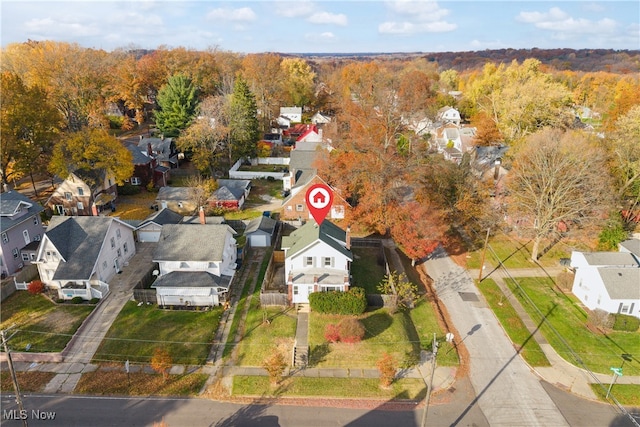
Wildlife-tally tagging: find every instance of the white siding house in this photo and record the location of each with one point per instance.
(609, 281)
(78, 256)
(196, 264)
(317, 259)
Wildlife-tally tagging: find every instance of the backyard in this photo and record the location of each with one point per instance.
(139, 330)
(40, 324)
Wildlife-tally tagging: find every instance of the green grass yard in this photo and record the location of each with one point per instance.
(138, 331)
(597, 351)
(40, 324)
(367, 268)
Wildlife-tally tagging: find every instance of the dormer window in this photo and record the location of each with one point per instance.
(80, 191)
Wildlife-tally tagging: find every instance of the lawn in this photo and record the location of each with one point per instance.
(367, 268)
(425, 322)
(512, 324)
(516, 253)
(385, 333)
(597, 351)
(138, 331)
(406, 388)
(626, 394)
(33, 381)
(117, 382)
(41, 324)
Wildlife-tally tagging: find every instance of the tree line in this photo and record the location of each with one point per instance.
(55, 117)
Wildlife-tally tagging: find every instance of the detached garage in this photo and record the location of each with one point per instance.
(260, 231)
(149, 229)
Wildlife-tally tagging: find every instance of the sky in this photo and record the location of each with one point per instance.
(326, 26)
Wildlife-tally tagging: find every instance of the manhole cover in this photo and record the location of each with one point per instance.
(468, 296)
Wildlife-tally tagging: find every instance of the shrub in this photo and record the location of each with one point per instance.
(35, 287)
(624, 322)
(352, 302)
(387, 367)
(564, 280)
(332, 333)
(600, 318)
(351, 330)
(94, 300)
(128, 189)
(76, 300)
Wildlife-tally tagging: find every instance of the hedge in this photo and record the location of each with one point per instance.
(353, 302)
(624, 322)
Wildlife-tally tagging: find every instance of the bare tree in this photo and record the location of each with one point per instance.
(200, 189)
(558, 177)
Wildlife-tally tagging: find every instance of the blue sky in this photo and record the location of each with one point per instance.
(326, 26)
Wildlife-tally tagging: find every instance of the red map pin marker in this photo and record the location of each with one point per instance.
(319, 199)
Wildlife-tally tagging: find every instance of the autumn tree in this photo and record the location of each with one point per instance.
(177, 102)
(487, 132)
(206, 138)
(200, 189)
(557, 177)
(126, 86)
(91, 149)
(29, 128)
(387, 366)
(449, 80)
(265, 76)
(161, 361)
(275, 364)
(624, 154)
(418, 228)
(243, 122)
(298, 81)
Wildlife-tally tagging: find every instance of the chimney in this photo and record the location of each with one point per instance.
(202, 218)
(290, 280)
(348, 238)
(149, 150)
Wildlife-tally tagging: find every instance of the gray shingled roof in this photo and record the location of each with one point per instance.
(139, 157)
(610, 258)
(162, 217)
(78, 240)
(191, 279)
(262, 223)
(191, 242)
(621, 283)
(9, 202)
(309, 233)
(176, 194)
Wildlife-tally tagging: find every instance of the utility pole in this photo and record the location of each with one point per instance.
(430, 386)
(484, 252)
(14, 379)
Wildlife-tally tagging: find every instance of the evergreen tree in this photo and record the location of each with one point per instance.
(243, 121)
(177, 101)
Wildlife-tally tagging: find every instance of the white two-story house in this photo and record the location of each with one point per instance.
(78, 256)
(317, 259)
(196, 264)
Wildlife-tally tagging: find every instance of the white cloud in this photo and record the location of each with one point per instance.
(326, 37)
(328, 18)
(294, 9)
(416, 17)
(60, 27)
(594, 7)
(480, 45)
(243, 14)
(415, 28)
(564, 26)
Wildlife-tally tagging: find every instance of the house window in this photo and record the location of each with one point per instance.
(35, 220)
(625, 308)
(338, 210)
(80, 206)
(104, 265)
(80, 191)
(113, 243)
(125, 247)
(37, 238)
(289, 208)
(33, 256)
(308, 261)
(60, 209)
(299, 208)
(25, 257)
(67, 195)
(328, 261)
(135, 180)
(25, 234)
(331, 288)
(119, 252)
(15, 252)
(118, 233)
(5, 238)
(295, 290)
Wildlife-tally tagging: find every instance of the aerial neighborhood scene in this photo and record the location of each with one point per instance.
(275, 213)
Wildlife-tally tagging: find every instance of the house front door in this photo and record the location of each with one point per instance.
(116, 264)
(301, 293)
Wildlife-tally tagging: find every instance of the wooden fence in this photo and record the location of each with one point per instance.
(273, 298)
(145, 296)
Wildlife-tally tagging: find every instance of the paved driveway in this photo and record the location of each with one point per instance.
(506, 390)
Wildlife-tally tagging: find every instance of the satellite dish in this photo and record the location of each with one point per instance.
(155, 272)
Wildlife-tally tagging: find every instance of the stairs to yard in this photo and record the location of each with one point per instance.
(300, 356)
